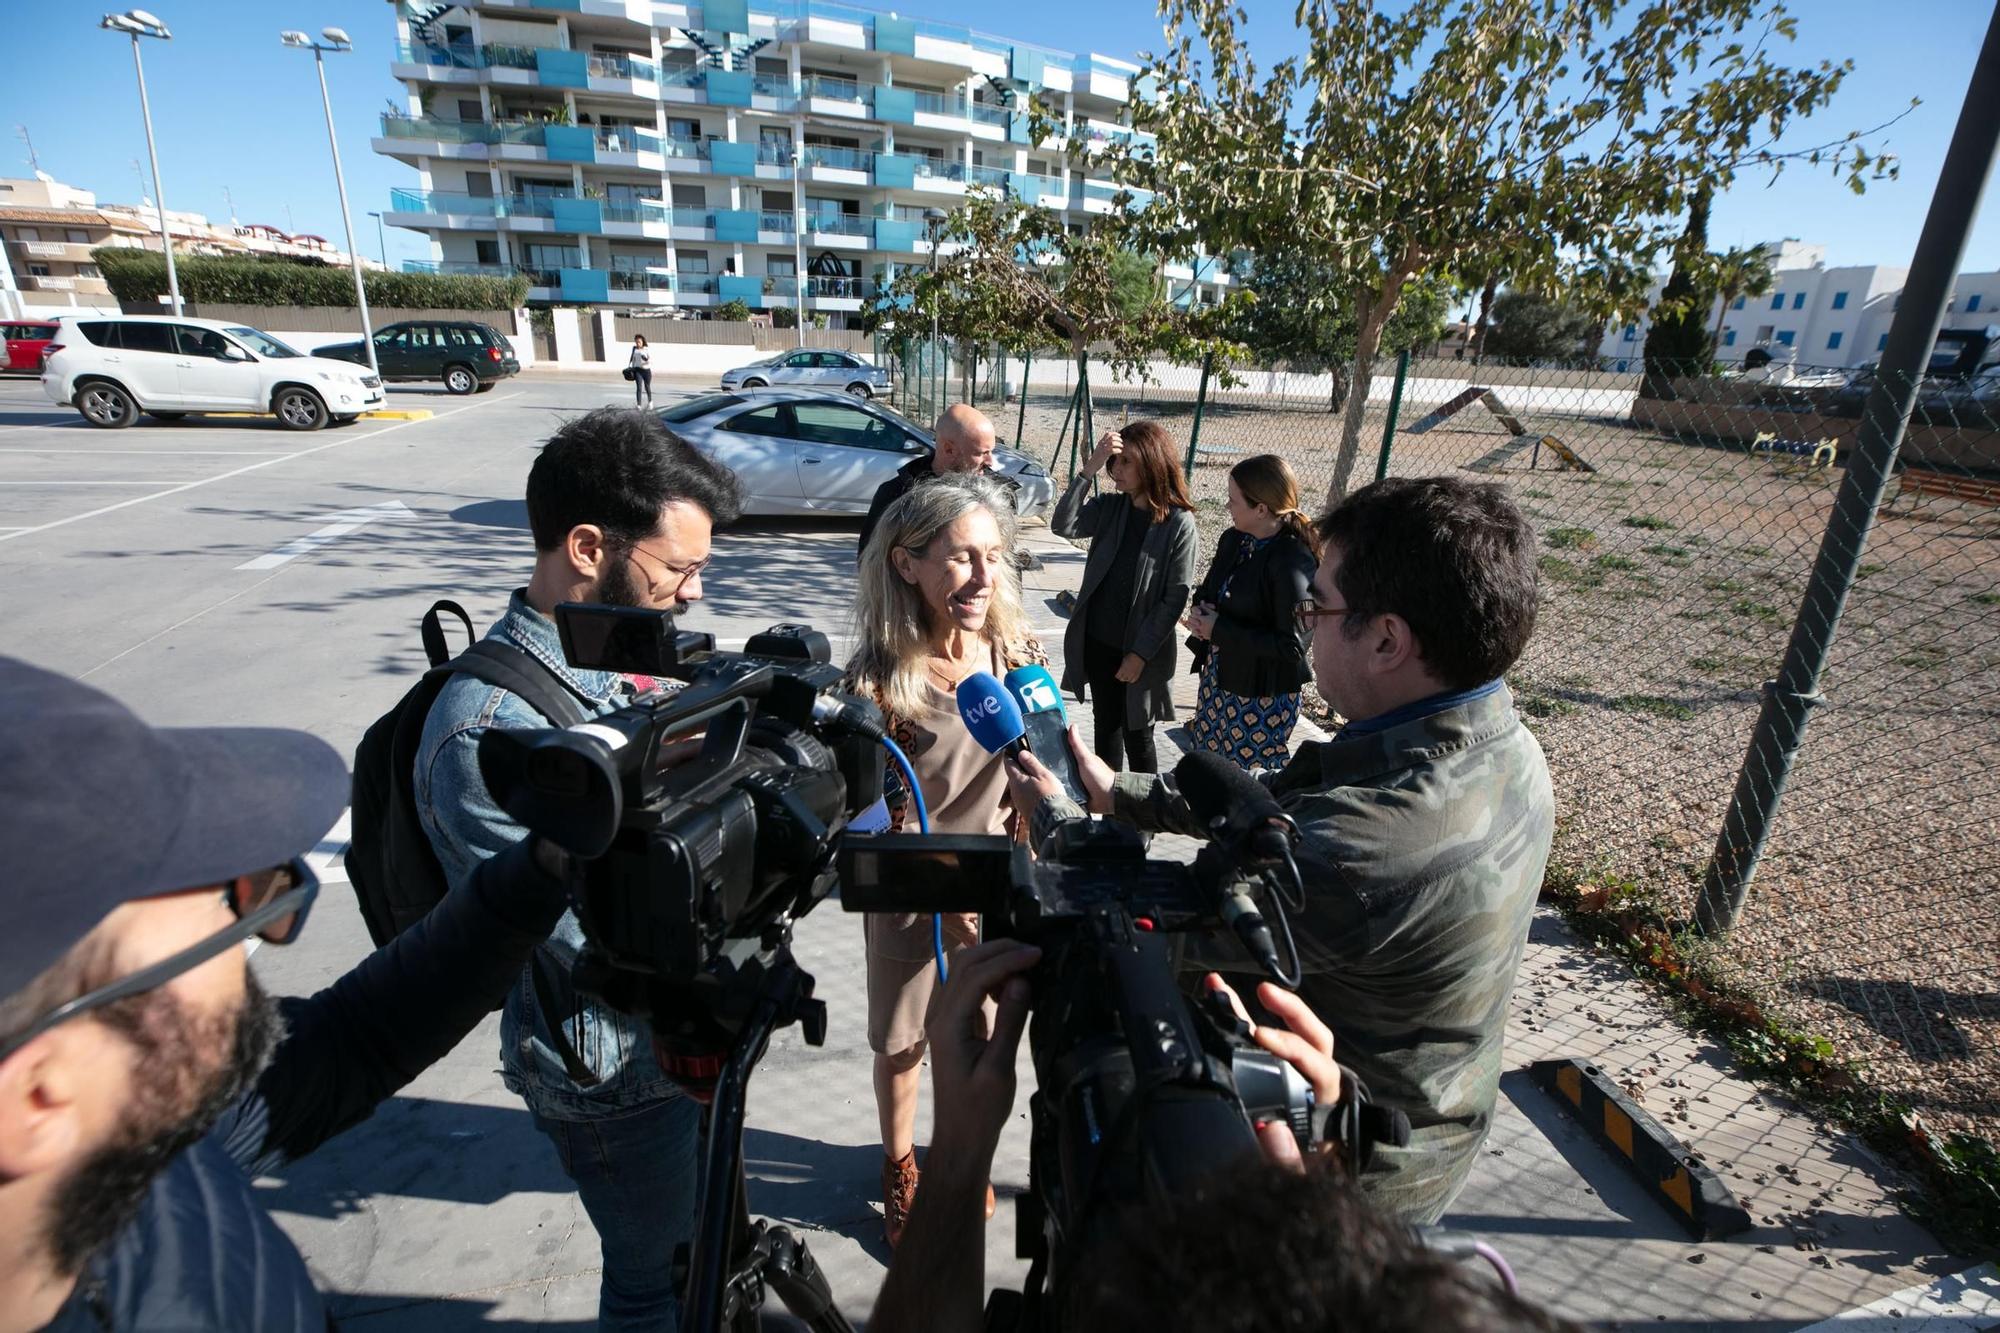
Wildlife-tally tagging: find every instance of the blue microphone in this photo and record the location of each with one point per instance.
(990, 713)
(1042, 717)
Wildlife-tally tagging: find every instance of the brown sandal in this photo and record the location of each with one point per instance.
(899, 1193)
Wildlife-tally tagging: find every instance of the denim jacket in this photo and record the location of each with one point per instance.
(466, 827)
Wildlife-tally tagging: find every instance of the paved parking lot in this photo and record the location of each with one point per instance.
(231, 571)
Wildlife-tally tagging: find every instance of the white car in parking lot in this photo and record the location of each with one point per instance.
(112, 368)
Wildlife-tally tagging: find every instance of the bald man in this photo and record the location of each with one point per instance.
(964, 444)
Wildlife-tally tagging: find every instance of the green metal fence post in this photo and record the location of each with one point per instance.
(1200, 401)
(1021, 429)
(1395, 409)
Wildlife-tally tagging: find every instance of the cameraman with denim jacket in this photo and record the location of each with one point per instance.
(622, 513)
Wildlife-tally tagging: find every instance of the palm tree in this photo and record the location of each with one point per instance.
(1742, 271)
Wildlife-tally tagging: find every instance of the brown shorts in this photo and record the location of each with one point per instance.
(902, 975)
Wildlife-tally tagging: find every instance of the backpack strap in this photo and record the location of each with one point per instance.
(522, 673)
(432, 630)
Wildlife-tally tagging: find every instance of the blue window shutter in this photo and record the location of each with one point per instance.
(1785, 337)
(1729, 337)
(1881, 342)
(1833, 340)
(1840, 300)
(1738, 305)
(1798, 300)
(1777, 300)
(1972, 303)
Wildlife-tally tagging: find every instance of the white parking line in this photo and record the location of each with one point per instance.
(140, 453)
(344, 522)
(250, 467)
(1956, 1304)
(79, 483)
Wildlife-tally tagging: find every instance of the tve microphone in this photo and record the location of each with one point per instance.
(1042, 714)
(990, 713)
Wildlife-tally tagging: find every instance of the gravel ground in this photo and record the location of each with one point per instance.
(1671, 578)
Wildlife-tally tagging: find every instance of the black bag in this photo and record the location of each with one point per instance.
(631, 372)
(396, 875)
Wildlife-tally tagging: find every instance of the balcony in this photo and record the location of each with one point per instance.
(695, 284)
(994, 178)
(985, 113)
(460, 267)
(565, 212)
(940, 169)
(628, 139)
(624, 278)
(822, 88)
(555, 66)
(776, 88)
(67, 252)
(429, 129)
(784, 222)
(839, 224)
(624, 67)
(688, 78)
(832, 288)
(838, 159)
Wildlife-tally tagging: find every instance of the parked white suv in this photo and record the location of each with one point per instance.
(112, 368)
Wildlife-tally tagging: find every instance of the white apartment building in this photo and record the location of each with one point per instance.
(1814, 315)
(679, 156)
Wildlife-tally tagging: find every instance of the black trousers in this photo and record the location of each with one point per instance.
(1129, 750)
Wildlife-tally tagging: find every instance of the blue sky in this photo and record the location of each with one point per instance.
(234, 110)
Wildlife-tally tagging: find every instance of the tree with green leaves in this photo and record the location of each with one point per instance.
(1677, 340)
(1741, 271)
(1532, 133)
(1528, 326)
(1286, 319)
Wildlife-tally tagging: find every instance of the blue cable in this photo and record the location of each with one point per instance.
(923, 826)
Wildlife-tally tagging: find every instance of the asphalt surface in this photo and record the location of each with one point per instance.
(228, 571)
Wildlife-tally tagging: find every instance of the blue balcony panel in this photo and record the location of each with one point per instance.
(729, 87)
(570, 143)
(579, 215)
(895, 36)
(732, 159)
(735, 224)
(585, 284)
(562, 69)
(891, 234)
(1026, 66)
(726, 16)
(895, 173)
(567, 6)
(1017, 128)
(740, 287)
(896, 105)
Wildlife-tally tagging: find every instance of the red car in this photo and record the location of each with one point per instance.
(26, 341)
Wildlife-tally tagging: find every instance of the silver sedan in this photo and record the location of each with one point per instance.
(841, 371)
(813, 451)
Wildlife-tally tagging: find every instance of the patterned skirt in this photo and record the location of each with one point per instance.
(1249, 732)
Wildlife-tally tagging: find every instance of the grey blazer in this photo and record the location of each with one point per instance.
(1165, 577)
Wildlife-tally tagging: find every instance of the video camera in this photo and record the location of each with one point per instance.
(1140, 1094)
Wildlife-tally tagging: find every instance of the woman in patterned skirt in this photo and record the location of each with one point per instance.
(1248, 646)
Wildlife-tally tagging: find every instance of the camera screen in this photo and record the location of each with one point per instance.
(913, 873)
(618, 638)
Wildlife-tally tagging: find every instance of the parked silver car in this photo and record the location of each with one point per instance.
(841, 371)
(812, 451)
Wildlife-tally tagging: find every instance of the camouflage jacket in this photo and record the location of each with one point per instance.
(1422, 850)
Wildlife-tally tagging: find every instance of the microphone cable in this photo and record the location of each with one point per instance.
(923, 826)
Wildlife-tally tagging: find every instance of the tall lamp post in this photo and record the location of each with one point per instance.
(337, 40)
(137, 23)
(934, 220)
(381, 245)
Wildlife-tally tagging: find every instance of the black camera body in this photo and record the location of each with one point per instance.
(1140, 1093)
(698, 854)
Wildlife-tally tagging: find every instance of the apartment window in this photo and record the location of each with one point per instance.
(691, 261)
(1881, 342)
(486, 252)
(690, 196)
(469, 109)
(1785, 337)
(39, 271)
(1972, 303)
(1729, 337)
(1737, 304)
(683, 129)
(1777, 300)
(78, 236)
(1833, 341)
(1840, 300)
(1631, 333)
(27, 234)
(479, 184)
(1798, 300)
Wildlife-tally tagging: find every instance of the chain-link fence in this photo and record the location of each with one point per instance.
(1677, 535)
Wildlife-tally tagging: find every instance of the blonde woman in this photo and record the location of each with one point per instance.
(939, 600)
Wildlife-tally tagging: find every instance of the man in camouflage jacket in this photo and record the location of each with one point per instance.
(1424, 823)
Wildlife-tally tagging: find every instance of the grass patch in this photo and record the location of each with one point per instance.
(1749, 610)
(1534, 494)
(1647, 523)
(1754, 552)
(1558, 570)
(1717, 583)
(1565, 539)
(1677, 556)
(1869, 569)
(1616, 562)
(1538, 705)
(1985, 599)
(1927, 658)
(1653, 705)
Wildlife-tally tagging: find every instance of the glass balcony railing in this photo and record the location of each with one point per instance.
(996, 177)
(463, 267)
(835, 90)
(784, 222)
(846, 289)
(397, 126)
(773, 85)
(1035, 186)
(839, 224)
(443, 201)
(637, 278)
(985, 113)
(627, 139)
(839, 159)
(940, 168)
(940, 104)
(774, 154)
(702, 219)
(624, 67)
(674, 145)
(695, 283)
(683, 76)
(455, 55)
(540, 277)
(634, 210)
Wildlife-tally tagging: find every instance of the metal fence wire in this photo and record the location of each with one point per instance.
(1676, 536)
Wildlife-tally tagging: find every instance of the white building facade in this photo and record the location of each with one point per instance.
(1814, 315)
(678, 157)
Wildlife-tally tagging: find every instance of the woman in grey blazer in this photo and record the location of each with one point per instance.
(1118, 651)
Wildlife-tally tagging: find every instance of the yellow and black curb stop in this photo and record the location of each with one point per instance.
(1694, 1194)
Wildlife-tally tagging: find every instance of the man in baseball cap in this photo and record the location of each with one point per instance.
(143, 1072)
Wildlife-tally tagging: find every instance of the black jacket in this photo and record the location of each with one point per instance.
(890, 491)
(202, 1253)
(1261, 650)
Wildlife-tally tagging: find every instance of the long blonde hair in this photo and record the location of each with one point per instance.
(892, 629)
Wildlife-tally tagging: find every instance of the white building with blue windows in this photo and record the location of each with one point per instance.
(634, 154)
(1818, 316)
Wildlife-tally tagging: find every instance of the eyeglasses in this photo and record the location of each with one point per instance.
(684, 572)
(271, 905)
(1305, 614)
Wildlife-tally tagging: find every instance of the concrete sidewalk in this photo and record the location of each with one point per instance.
(447, 1210)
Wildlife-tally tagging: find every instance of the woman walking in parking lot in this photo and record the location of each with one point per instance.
(640, 371)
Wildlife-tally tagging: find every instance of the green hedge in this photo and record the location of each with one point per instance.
(141, 276)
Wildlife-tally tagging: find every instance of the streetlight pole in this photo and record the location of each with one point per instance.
(137, 23)
(799, 230)
(381, 245)
(934, 219)
(337, 40)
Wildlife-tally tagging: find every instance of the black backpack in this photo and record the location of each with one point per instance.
(396, 875)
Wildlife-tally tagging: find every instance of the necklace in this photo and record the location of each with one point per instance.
(942, 677)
